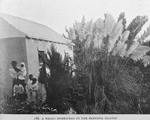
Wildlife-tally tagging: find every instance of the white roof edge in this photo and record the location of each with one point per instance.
(56, 37)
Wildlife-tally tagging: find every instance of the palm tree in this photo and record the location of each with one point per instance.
(57, 82)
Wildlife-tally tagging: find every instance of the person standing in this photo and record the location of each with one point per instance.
(22, 74)
(18, 90)
(29, 88)
(34, 90)
(14, 72)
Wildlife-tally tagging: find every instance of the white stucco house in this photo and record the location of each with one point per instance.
(21, 40)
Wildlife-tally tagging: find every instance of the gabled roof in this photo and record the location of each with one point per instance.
(7, 30)
(12, 26)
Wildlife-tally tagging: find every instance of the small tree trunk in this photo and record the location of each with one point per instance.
(90, 87)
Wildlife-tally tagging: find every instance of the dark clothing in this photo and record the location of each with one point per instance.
(22, 82)
(14, 82)
(21, 96)
(13, 73)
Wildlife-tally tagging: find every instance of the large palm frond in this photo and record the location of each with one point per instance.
(109, 24)
(122, 17)
(115, 34)
(139, 52)
(145, 37)
(132, 48)
(134, 27)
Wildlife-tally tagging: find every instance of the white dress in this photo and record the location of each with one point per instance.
(13, 73)
(29, 90)
(18, 89)
(34, 92)
(22, 73)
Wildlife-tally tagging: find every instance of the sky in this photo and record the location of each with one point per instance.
(58, 14)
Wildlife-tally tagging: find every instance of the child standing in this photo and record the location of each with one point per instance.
(18, 91)
(29, 88)
(34, 89)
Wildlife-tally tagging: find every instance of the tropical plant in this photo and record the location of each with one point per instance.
(57, 81)
(145, 97)
(122, 17)
(135, 27)
(102, 59)
(22, 107)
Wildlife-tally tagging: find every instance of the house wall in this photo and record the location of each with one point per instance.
(25, 50)
(32, 47)
(32, 57)
(11, 49)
